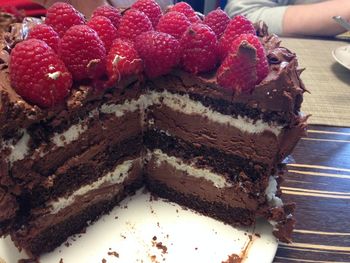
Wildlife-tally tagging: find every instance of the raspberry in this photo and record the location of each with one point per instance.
(133, 23)
(159, 51)
(45, 33)
(253, 40)
(187, 10)
(238, 71)
(61, 16)
(110, 12)
(199, 46)
(123, 60)
(217, 20)
(38, 74)
(173, 23)
(150, 8)
(238, 25)
(83, 52)
(105, 30)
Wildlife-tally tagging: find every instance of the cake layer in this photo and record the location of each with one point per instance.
(250, 139)
(50, 226)
(233, 167)
(207, 185)
(85, 168)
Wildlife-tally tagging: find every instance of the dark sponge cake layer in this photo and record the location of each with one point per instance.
(235, 216)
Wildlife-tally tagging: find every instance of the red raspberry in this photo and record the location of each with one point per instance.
(253, 40)
(123, 60)
(187, 10)
(159, 51)
(38, 74)
(150, 8)
(217, 20)
(173, 23)
(83, 52)
(45, 33)
(238, 25)
(238, 71)
(110, 12)
(199, 49)
(134, 23)
(105, 30)
(61, 16)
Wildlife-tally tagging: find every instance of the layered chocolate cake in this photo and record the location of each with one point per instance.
(215, 149)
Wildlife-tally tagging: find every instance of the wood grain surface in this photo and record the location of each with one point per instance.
(318, 181)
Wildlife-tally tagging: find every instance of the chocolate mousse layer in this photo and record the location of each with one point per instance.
(263, 147)
(36, 236)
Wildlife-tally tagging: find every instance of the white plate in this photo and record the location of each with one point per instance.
(127, 235)
(342, 55)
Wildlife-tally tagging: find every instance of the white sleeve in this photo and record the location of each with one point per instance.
(126, 3)
(269, 11)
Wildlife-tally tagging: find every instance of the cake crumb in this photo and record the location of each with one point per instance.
(196, 248)
(61, 260)
(154, 238)
(113, 253)
(162, 247)
(67, 244)
(104, 260)
(234, 258)
(257, 235)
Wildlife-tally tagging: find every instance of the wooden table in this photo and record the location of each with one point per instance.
(318, 181)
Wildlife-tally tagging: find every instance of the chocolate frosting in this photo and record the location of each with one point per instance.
(281, 92)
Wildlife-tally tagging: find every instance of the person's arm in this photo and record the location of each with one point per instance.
(315, 19)
(283, 19)
(269, 11)
(86, 6)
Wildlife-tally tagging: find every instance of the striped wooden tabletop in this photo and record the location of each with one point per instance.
(318, 181)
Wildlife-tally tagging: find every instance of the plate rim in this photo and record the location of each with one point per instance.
(339, 60)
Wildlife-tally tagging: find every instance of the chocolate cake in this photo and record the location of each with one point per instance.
(181, 135)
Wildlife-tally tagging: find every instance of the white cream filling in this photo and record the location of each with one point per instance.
(117, 176)
(271, 190)
(19, 150)
(183, 104)
(217, 180)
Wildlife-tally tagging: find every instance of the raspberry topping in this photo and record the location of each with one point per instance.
(110, 12)
(238, 71)
(199, 46)
(173, 23)
(105, 30)
(245, 65)
(61, 16)
(45, 33)
(38, 74)
(262, 63)
(238, 25)
(159, 51)
(150, 8)
(217, 20)
(133, 23)
(123, 60)
(187, 10)
(83, 52)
